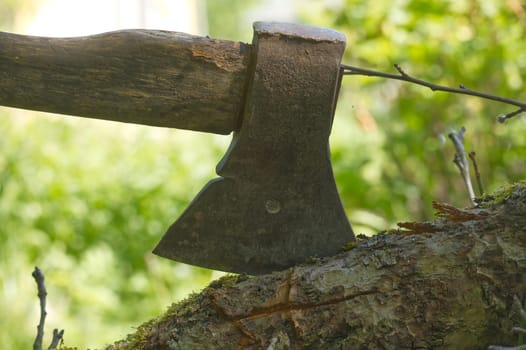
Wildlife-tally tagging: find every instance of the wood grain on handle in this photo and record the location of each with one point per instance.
(147, 77)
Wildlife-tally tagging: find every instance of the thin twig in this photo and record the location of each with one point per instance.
(461, 160)
(472, 156)
(41, 287)
(42, 293)
(57, 337)
(403, 76)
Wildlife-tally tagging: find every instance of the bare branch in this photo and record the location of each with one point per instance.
(401, 71)
(461, 160)
(41, 287)
(57, 337)
(503, 117)
(403, 76)
(472, 156)
(42, 293)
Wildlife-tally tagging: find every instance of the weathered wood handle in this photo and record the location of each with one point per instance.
(148, 77)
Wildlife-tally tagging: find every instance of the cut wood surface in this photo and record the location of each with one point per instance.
(446, 284)
(148, 77)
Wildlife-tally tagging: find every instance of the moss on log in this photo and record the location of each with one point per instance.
(446, 284)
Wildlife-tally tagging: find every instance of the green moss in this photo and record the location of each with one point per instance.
(136, 340)
(349, 245)
(500, 195)
(139, 339)
(392, 231)
(180, 309)
(227, 281)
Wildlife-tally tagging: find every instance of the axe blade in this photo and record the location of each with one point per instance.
(275, 203)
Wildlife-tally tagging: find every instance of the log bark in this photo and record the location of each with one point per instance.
(446, 284)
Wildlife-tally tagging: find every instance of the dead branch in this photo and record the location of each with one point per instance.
(461, 161)
(473, 157)
(403, 76)
(42, 294)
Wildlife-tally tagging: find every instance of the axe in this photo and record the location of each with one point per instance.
(275, 202)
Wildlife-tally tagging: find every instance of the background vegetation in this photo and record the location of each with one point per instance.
(88, 200)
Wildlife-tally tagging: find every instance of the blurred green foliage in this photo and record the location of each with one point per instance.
(226, 20)
(11, 11)
(87, 200)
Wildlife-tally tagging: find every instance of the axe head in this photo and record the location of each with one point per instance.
(275, 203)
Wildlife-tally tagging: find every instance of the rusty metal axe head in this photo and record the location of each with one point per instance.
(275, 203)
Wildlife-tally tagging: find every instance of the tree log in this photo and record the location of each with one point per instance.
(446, 284)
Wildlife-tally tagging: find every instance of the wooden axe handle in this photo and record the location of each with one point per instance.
(148, 77)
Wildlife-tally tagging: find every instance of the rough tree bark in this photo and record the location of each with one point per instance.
(446, 284)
